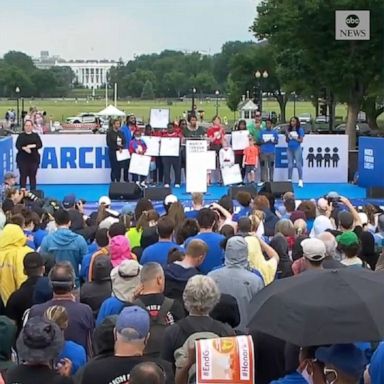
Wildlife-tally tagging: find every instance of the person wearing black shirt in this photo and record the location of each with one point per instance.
(115, 142)
(28, 144)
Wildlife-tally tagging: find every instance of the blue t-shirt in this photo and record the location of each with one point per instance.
(215, 254)
(74, 352)
(110, 306)
(291, 378)
(268, 146)
(191, 214)
(158, 252)
(244, 212)
(294, 144)
(38, 237)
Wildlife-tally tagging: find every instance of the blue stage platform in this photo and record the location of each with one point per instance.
(91, 192)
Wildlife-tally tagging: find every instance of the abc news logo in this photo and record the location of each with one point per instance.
(352, 25)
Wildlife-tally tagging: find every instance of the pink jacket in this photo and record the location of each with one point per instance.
(120, 250)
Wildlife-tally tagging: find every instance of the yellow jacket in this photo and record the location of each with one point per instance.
(12, 252)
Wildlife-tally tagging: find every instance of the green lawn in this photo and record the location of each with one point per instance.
(58, 109)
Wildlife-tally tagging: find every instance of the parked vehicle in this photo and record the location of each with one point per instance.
(305, 118)
(322, 119)
(82, 118)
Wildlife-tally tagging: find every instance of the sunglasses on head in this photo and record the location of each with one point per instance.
(330, 375)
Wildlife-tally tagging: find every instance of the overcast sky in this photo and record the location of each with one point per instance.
(97, 29)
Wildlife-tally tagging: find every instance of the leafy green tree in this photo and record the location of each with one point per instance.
(346, 68)
(148, 93)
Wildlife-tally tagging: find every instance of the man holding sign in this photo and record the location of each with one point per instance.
(268, 140)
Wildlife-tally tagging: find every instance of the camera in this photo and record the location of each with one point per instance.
(30, 196)
(333, 198)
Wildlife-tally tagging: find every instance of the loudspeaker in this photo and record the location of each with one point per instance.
(233, 191)
(157, 193)
(124, 191)
(375, 192)
(277, 188)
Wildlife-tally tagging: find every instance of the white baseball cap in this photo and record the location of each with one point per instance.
(169, 199)
(105, 200)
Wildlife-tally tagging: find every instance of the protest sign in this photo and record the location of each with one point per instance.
(123, 155)
(139, 164)
(240, 140)
(231, 175)
(159, 118)
(196, 166)
(153, 145)
(170, 146)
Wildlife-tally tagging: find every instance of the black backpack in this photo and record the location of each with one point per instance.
(158, 325)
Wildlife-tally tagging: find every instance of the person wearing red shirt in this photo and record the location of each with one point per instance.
(158, 173)
(216, 137)
(172, 161)
(251, 160)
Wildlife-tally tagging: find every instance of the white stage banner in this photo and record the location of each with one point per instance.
(196, 167)
(153, 145)
(139, 164)
(325, 159)
(159, 118)
(231, 175)
(240, 140)
(170, 146)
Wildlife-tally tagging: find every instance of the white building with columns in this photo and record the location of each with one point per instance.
(90, 73)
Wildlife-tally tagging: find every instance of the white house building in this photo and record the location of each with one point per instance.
(89, 73)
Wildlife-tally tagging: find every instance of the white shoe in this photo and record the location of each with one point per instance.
(166, 185)
(260, 184)
(177, 185)
(301, 185)
(143, 184)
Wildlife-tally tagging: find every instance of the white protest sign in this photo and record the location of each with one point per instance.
(159, 118)
(231, 175)
(139, 164)
(153, 145)
(210, 160)
(196, 166)
(170, 146)
(240, 140)
(123, 155)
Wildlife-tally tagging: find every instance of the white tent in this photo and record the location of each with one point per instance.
(111, 111)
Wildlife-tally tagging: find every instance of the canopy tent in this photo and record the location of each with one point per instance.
(111, 111)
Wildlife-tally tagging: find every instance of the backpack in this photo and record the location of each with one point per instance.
(181, 354)
(157, 326)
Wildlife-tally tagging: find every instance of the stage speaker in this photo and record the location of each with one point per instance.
(375, 192)
(233, 191)
(125, 191)
(157, 193)
(277, 188)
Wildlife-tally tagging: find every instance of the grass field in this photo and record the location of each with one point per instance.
(59, 110)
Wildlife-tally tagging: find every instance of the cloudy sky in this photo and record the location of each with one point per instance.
(111, 29)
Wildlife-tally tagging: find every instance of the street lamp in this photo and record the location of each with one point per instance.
(17, 90)
(217, 102)
(193, 113)
(294, 103)
(259, 75)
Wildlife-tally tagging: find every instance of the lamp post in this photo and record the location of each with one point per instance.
(294, 103)
(193, 113)
(259, 76)
(217, 101)
(17, 90)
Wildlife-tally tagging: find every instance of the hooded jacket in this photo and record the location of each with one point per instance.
(8, 332)
(12, 251)
(65, 245)
(120, 250)
(235, 279)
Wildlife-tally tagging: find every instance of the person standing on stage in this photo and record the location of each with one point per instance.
(216, 136)
(254, 127)
(268, 140)
(172, 161)
(115, 143)
(139, 147)
(127, 133)
(294, 136)
(241, 126)
(28, 144)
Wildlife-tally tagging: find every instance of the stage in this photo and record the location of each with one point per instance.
(91, 192)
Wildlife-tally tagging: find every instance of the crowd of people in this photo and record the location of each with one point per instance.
(117, 296)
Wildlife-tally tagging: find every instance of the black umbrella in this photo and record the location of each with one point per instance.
(322, 307)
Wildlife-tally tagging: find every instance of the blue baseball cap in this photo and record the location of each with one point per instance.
(133, 323)
(69, 201)
(345, 357)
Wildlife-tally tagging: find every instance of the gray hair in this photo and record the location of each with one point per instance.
(150, 271)
(330, 243)
(201, 294)
(285, 227)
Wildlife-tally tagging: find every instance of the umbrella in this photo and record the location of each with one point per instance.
(322, 307)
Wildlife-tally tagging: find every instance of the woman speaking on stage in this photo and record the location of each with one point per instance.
(28, 144)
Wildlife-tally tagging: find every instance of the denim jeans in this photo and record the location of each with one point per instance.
(267, 166)
(295, 156)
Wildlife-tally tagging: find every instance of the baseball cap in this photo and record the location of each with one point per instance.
(347, 238)
(133, 323)
(104, 200)
(313, 249)
(169, 199)
(33, 260)
(69, 201)
(322, 203)
(346, 219)
(347, 358)
(9, 175)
